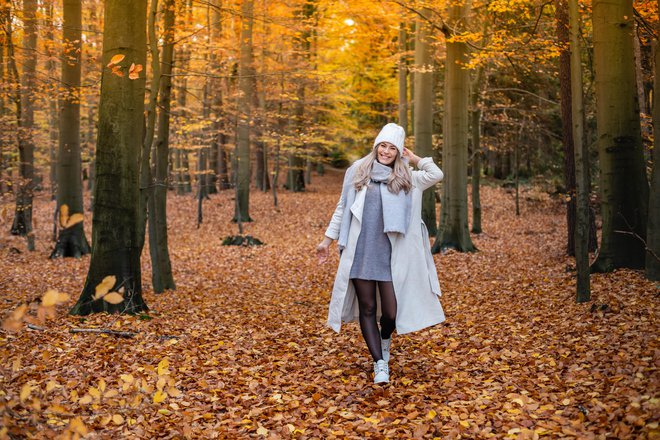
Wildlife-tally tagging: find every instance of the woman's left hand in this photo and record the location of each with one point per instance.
(412, 157)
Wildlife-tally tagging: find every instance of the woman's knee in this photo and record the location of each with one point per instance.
(367, 310)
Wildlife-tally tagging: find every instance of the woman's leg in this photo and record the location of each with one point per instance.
(387, 308)
(366, 294)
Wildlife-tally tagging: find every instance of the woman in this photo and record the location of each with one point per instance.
(384, 247)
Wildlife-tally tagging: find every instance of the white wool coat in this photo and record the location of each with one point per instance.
(414, 273)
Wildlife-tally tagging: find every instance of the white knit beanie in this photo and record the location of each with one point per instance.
(394, 134)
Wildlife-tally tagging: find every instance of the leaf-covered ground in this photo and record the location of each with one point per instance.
(240, 349)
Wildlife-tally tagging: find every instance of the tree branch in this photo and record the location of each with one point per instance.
(103, 331)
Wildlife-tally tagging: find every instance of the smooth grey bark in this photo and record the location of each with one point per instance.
(403, 77)
(53, 125)
(583, 288)
(623, 182)
(115, 228)
(653, 231)
(5, 78)
(454, 232)
(71, 241)
(563, 37)
(161, 276)
(296, 167)
(423, 103)
(475, 136)
(246, 90)
(22, 224)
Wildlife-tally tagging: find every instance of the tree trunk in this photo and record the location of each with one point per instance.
(146, 179)
(653, 231)
(53, 126)
(412, 77)
(161, 276)
(454, 232)
(423, 103)
(561, 15)
(296, 171)
(71, 241)
(475, 128)
(4, 79)
(623, 183)
(23, 215)
(115, 229)
(581, 239)
(403, 77)
(245, 84)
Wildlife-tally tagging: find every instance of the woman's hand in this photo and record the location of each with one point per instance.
(323, 250)
(412, 157)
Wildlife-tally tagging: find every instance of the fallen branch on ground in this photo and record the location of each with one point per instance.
(103, 331)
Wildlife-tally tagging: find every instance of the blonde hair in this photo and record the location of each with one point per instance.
(399, 180)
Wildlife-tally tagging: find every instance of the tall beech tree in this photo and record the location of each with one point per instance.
(161, 266)
(402, 73)
(423, 103)
(453, 232)
(623, 183)
(565, 67)
(581, 159)
(71, 241)
(245, 85)
(296, 173)
(653, 234)
(25, 115)
(115, 229)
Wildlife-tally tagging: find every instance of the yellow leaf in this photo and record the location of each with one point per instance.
(50, 386)
(566, 402)
(117, 419)
(53, 297)
(431, 414)
(464, 423)
(113, 298)
(128, 378)
(26, 390)
(85, 400)
(159, 396)
(74, 220)
(110, 393)
(116, 59)
(94, 392)
(104, 286)
(371, 420)
(64, 215)
(77, 426)
(163, 367)
(406, 381)
(173, 392)
(262, 431)
(519, 402)
(102, 385)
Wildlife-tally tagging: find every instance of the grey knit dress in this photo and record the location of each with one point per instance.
(373, 249)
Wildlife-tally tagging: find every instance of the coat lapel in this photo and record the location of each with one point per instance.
(358, 205)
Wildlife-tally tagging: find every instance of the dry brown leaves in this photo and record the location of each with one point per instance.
(241, 350)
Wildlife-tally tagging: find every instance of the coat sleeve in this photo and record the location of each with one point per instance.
(428, 175)
(335, 222)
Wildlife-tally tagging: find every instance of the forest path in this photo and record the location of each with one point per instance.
(248, 354)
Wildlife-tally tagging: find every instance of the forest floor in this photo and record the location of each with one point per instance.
(241, 350)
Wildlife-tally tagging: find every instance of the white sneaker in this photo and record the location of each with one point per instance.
(381, 372)
(385, 345)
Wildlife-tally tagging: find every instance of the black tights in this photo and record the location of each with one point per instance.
(366, 294)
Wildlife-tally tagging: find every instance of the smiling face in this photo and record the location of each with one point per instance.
(386, 153)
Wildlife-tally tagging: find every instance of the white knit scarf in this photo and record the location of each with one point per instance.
(396, 207)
